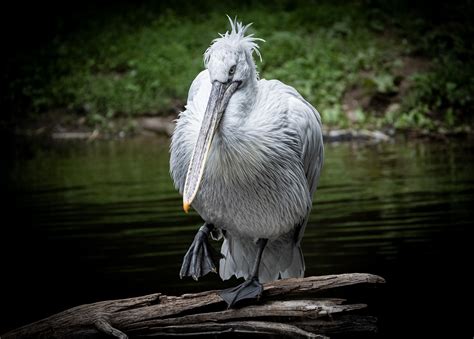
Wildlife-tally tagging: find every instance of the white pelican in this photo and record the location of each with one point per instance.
(246, 154)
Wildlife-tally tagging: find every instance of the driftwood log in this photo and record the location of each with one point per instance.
(288, 307)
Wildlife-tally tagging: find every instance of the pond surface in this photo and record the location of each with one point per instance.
(93, 221)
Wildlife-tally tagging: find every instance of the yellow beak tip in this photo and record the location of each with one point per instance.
(186, 207)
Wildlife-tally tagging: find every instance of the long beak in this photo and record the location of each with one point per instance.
(218, 100)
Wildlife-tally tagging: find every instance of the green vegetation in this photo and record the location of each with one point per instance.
(360, 65)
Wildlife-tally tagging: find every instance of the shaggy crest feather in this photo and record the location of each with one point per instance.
(236, 38)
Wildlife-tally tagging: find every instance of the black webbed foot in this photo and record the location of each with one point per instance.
(199, 260)
(249, 289)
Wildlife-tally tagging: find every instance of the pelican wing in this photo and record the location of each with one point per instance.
(307, 123)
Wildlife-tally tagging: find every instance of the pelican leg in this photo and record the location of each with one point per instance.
(198, 260)
(250, 288)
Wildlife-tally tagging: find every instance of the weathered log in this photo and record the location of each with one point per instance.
(354, 135)
(159, 125)
(206, 313)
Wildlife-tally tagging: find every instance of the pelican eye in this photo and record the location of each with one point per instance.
(232, 70)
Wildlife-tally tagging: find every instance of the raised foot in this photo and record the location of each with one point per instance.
(249, 289)
(198, 260)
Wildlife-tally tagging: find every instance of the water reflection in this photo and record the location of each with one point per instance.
(102, 220)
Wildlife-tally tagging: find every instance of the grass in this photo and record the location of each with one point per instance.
(141, 60)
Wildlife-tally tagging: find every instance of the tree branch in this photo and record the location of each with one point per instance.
(206, 313)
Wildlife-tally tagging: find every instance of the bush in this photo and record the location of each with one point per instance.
(141, 60)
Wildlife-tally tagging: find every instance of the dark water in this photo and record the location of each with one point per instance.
(92, 221)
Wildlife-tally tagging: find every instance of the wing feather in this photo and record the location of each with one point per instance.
(307, 124)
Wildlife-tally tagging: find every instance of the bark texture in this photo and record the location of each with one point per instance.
(289, 307)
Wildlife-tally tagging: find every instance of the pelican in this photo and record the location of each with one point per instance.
(246, 154)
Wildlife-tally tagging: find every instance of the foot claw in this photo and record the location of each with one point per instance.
(198, 260)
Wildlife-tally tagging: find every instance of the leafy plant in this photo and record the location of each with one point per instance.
(142, 61)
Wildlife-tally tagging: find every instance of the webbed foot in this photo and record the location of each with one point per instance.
(249, 289)
(198, 260)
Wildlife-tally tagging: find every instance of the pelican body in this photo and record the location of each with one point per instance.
(246, 154)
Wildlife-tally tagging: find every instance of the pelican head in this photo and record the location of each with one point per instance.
(230, 64)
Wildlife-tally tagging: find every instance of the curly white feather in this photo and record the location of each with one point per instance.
(236, 39)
